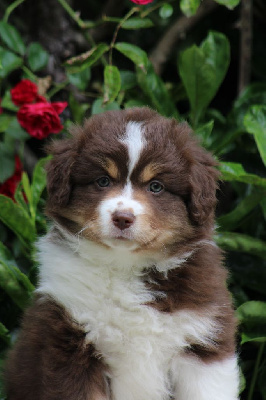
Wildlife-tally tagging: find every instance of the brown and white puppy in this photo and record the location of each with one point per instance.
(132, 301)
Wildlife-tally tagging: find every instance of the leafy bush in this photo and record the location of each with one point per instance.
(116, 74)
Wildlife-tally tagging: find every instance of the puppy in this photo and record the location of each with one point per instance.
(132, 301)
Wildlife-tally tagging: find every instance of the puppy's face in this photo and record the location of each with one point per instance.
(131, 179)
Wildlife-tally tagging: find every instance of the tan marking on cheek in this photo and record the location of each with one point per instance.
(160, 230)
(72, 214)
(149, 172)
(112, 169)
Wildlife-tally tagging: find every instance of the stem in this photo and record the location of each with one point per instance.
(77, 19)
(29, 73)
(72, 13)
(11, 8)
(246, 22)
(110, 19)
(57, 88)
(256, 371)
(127, 16)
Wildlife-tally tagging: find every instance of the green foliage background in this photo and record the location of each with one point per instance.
(118, 74)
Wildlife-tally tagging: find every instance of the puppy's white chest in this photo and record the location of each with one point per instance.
(136, 341)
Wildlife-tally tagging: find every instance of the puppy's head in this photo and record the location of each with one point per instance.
(133, 179)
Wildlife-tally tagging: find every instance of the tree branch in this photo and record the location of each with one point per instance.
(246, 19)
(176, 32)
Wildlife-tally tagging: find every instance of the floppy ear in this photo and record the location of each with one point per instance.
(203, 183)
(59, 171)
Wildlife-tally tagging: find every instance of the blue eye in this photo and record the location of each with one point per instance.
(155, 187)
(104, 181)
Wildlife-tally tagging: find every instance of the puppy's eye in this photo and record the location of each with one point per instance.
(155, 187)
(104, 181)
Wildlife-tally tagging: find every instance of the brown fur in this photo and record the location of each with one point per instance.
(52, 361)
(199, 285)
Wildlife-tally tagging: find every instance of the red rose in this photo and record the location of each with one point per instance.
(24, 92)
(8, 188)
(41, 119)
(142, 2)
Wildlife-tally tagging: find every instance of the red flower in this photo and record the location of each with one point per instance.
(8, 188)
(142, 2)
(24, 92)
(41, 119)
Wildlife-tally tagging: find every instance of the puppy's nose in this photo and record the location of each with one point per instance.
(123, 219)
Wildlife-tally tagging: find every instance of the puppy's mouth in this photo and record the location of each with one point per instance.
(121, 242)
(123, 236)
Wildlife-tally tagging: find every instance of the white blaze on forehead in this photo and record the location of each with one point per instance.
(135, 142)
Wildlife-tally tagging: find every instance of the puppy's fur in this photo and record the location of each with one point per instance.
(132, 301)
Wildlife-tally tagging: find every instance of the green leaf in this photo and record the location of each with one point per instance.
(135, 103)
(4, 334)
(80, 79)
(252, 312)
(12, 38)
(253, 94)
(38, 180)
(37, 56)
(202, 70)
(86, 60)
(235, 172)
(4, 122)
(6, 256)
(137, 23)
(9, 62)
(15, 284)
(253, 337)
(242, 383)
(134, 53)
(128, 80)
(98, 106)
(153, 86)
(241, 243)
(112, 83)
(255, 123)
(166, 11)
(204, 131)
(252, 316)
(7, 163)
(77, 110)
(17, 220)
(7, 102)
(15, 130)
(231, 220)
(28, 192)
(228, 3)
(20, 199)
(189, 7)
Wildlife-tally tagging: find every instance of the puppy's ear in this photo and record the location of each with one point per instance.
(59, 171)
(203, 184)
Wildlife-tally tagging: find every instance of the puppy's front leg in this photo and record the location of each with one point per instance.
(195, 379)
(52, 360)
